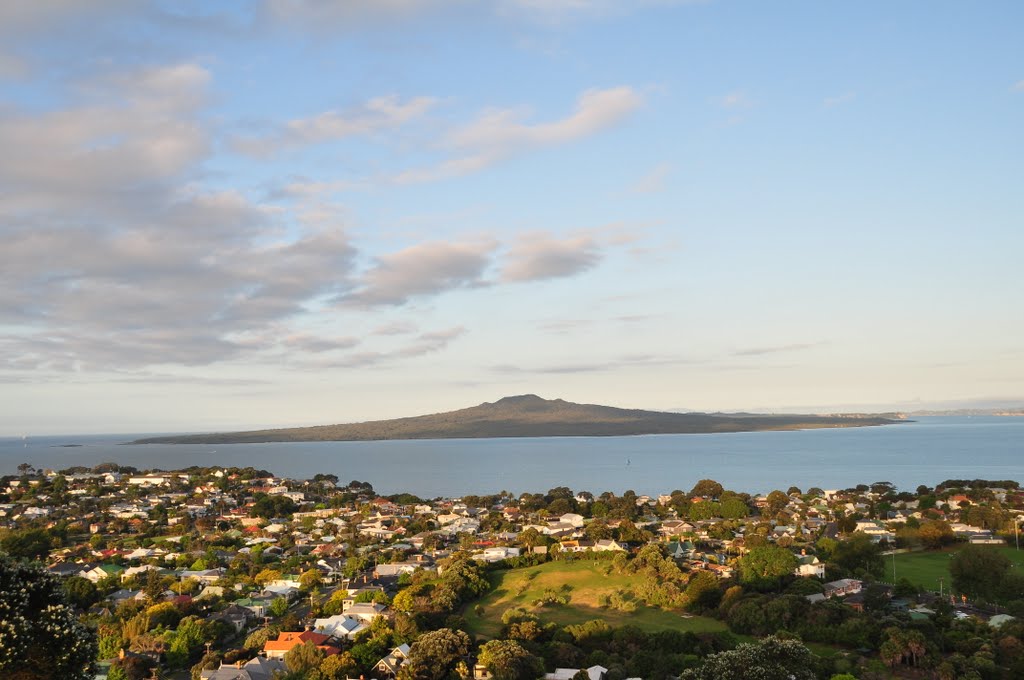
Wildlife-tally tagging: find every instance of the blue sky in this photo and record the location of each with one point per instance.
(282, 212)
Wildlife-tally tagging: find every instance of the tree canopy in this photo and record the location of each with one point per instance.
(769, 659)
(40, 636)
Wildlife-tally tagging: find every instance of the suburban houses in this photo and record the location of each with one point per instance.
(264, 565)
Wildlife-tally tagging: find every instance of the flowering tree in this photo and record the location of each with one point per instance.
(769, 659)
(40, 636)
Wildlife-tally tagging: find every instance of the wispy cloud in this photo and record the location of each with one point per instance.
(735, 100)
(499, 134)
(1018, 86)
(595, 366)
(328, 15)
(778, 349)
(373, 116)
(395, 328)
(653, 181)
(425, 343)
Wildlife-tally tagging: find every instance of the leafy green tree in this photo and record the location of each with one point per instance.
(26, 543)
(268, 507)
(81, 592)
(708, 488)
(776, 502)
(339, 667)
(859, 555)
(258, 638)
(279, 607)
(978, 571)
(769, 659)
(40, 636)
(766, 563)
(311, 579)
(186, 641)
(935, 534)
(508, 660)
(435, 655)
(703, 591)
(303, 658)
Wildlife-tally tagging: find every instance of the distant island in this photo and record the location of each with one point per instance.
(531, 416)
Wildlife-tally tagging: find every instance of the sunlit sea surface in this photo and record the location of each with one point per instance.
(926, 451)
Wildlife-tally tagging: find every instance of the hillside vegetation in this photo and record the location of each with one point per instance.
(531, 416)
(583, 584)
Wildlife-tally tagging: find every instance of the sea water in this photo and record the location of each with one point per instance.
(925, 451)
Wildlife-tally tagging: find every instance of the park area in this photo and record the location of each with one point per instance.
(583, 582)
(924, 569)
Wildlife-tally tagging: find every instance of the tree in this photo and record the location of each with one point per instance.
(339, 667)
(935, 533)
(435, 655)
(258, 638)
(768, 659)
(508, 660)
(311, 579)
(187, 639)
(304, 657)
(766, 563)
(80, 592)
(703, 591)
(279, 607)
(859, 555)
(40, 636)
(708, 488)
(267, 576)
(776, 502)
(27, 543)
(530, 538)
(978, 571)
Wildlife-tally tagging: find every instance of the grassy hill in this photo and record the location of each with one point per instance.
(531, 416)
(584, 582)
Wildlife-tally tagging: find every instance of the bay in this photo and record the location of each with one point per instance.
(925, 451)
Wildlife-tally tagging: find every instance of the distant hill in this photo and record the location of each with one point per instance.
(531, 416)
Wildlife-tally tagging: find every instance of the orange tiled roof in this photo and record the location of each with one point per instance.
(285, 641)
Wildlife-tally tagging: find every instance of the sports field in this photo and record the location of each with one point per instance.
(925, 568)
(584, 582)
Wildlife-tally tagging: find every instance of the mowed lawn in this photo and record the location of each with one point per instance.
(584, 581)
(925, 568)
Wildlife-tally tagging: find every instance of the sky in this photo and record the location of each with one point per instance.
(289, 212)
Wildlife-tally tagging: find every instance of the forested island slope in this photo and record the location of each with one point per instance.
(531, 416)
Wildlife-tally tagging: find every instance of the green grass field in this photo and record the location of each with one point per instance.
(925, 568)
(585, 582)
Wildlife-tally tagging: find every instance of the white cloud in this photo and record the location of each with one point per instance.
(1018, 86)
(134, 132)
(376, 115)
(539, 256)
(502, 133)
(115, 255)
(423, 269)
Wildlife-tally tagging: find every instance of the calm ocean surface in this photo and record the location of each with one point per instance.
(923, 452)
